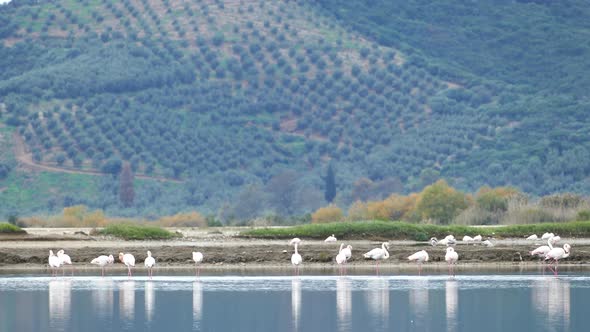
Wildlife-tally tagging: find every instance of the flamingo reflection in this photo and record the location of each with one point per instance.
(296, 302)
(59, 303)
(197, 304)
(149, 300)
(452, 303)
(551, 298)
(127, 299)
(102, 297)
(419, 301)
(378, 301)
(343, 304)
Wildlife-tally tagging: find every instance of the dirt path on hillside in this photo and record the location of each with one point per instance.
(26, 160)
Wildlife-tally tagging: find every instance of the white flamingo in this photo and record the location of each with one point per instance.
(330, 238)
(546, 236)
(149, 263)
(296, 259)
(451, 257)
(64, 259)
(433, 241)
(533, 237)
(556, 254)
(488, 243)
(198, 259)
(477, 238)
(378, 254)
(555, 239)
(128, 260)
(419, 257)
(467, 239)
(542, 251)
(341, 257)
(294, 241)
(102, 261)
(347, 252)
(54, 263)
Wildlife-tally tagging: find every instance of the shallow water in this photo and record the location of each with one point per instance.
(308, 303)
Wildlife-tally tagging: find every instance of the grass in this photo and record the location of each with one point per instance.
(10, 228)
(401, 230)
(136, 232)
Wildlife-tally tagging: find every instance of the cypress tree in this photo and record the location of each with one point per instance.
(126, 192)
(330, 180)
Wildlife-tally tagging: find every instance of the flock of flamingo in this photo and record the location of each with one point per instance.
(547, 253)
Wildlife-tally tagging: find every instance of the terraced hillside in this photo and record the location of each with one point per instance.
(237, 99)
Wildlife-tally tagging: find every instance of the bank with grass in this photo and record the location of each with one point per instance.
(418, 232)
(129, 231)
(7, 228)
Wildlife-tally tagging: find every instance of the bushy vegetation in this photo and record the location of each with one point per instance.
(241, 118)
(381, 230)
(130, 231)
(10, 228)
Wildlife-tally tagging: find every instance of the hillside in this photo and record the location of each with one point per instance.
(241, 105)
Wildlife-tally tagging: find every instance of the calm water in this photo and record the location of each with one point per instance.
(322, 303)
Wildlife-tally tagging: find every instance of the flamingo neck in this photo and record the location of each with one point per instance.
(341, 246)
(385, 249)
(296, 249)
(549, 243)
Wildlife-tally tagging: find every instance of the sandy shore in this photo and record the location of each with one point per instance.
(224, 251)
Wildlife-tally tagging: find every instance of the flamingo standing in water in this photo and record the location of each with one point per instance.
(296, 259)
(102, 261)
(420, 257)
(149, 263)
(542, 251)
(198, 258)
(54, 263)
(341, 257)
(64, 259)
(556, 254)
(451, 257)
(128, 260)
(378, 254)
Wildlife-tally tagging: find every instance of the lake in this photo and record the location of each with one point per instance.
(505, 302)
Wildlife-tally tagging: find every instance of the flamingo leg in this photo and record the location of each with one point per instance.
(419, 269)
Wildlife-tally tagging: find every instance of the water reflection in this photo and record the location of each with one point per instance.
(343, 304)
(377, 298)
(102, 297)
(551, 298)
(149, 300)
(419, 300)
(295, 302)
(59, 303)
(452, 303)
(197, 304)
(127, 299)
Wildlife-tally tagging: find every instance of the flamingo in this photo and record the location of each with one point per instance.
(295, 240)
(555, 239)
(488, 243)
(378, 254)
(451, 257)
(296, 259)
(330, 238)
(54, 263)
(198, 258)
(533, 237)
(467, 239)
(102, 261)
(149, 263)
(546, 236)
(347, 252)
(477, 238)
(128, 260)
(64, 259)
(556, 254)
(341, 257)
(433, 241)
(420, 257)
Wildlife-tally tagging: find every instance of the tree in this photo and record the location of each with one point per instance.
(441, 202)
(330, 182)
(126, 192)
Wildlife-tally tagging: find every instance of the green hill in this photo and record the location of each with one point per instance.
(238, 107)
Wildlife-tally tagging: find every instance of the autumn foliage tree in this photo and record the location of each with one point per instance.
(441, 202)
(329, 213)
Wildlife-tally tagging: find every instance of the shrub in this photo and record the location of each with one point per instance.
(190, 219)
(10, 228)
(583, 215)
(330, 213)
(441, 203)
(129, 231)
